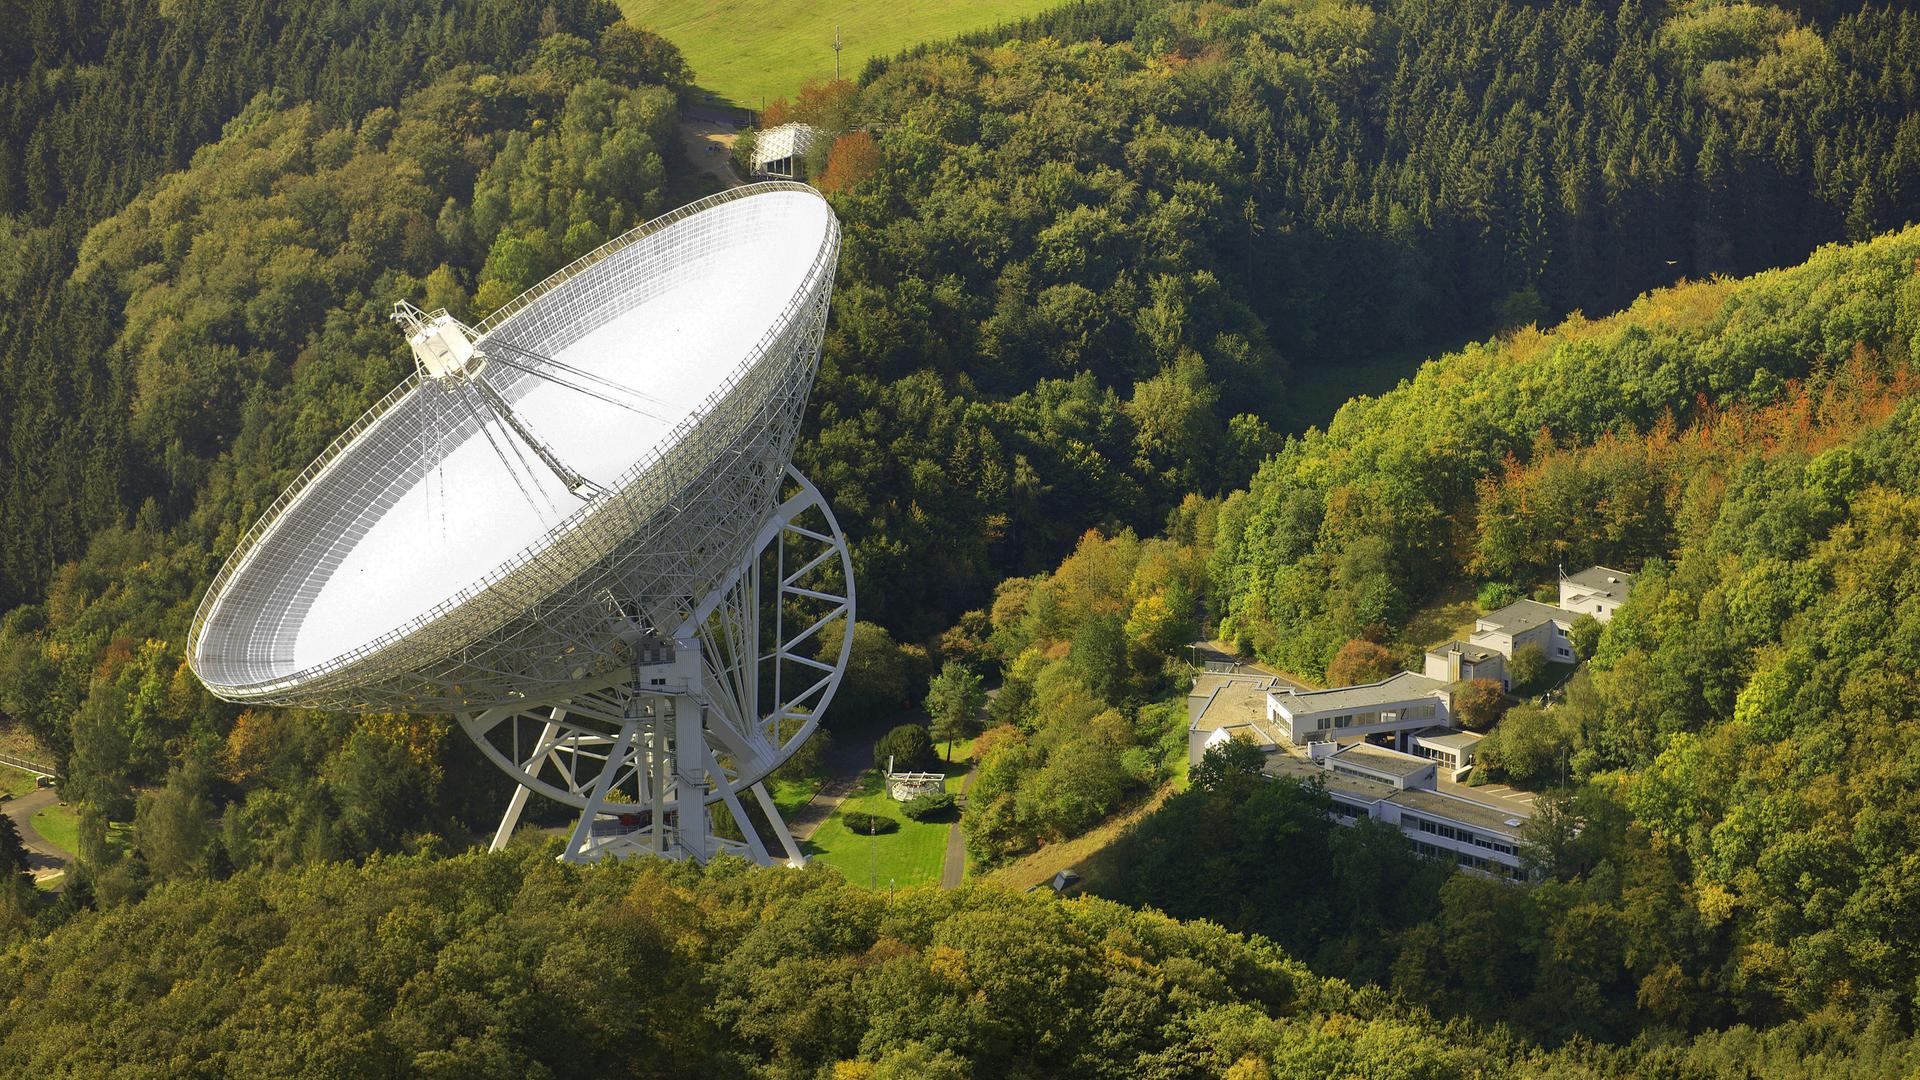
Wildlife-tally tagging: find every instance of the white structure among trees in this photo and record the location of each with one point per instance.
(565, 527)
(782, 151)
(1596, 591)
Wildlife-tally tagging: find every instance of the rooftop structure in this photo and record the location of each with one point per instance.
(1379, 763)
(1234, 705)
(1453, 750)
(1525, 622)
(1456, 661)
(1520, 617)
(1440, 821)
(1207, 683)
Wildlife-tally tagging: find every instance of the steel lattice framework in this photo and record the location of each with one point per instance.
(658, 648)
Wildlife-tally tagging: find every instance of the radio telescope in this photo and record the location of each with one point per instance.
(575, 528)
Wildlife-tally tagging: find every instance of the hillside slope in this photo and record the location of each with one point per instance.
(1735, 756)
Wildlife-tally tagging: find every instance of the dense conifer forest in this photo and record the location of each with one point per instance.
(1092, 265)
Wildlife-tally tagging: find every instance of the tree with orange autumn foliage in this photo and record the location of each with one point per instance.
(854, 157)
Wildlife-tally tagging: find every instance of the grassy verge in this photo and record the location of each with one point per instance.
(914, 854)
(791, 795)
(60, 825)
(1087, 854)
(1450, 615)
(748, 52)
(16, 782)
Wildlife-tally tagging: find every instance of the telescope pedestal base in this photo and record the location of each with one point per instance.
(696, 717)
(643, 840)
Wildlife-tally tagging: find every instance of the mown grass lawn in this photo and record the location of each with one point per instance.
(60, 825)
(748, 52)
(791, 795)
(912, 855)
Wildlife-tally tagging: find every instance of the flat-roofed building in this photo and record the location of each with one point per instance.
(1370, 762)
(1221, 706)
(1458, 661)
(1526, 622)
(1394, 706)
(1452, 750)
(1596, 591)
(1478, 835)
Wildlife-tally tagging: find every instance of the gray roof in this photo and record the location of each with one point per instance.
(1207, 682)
(1600, 581)
(1523, 615)
(1381, 760)
(1447, 739)
(1475, 654)
(1402, 687)
(1479, 815)
(1241, 706)
(1355, 788)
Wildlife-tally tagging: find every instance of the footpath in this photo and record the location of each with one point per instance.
(955, 867)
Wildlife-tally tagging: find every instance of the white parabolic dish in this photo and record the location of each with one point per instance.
(429, 559)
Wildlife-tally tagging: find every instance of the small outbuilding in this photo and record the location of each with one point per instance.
(781, 151)
(902, 786)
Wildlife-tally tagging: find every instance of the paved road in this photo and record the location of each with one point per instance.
(43, 858)
(821, 807)
(844, 762)
(956, 864)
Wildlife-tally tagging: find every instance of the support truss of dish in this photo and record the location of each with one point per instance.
(740, 684)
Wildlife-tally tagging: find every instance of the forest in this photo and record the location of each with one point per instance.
(1719, 781)
(516, 965)
(1097, 265)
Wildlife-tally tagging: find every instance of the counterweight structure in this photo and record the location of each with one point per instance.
(575, 527)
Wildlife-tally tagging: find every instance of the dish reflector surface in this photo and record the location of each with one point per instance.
(437, 495)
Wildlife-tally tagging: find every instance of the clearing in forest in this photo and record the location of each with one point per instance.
(748, 52)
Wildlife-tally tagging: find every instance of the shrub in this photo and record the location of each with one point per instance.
(1360, 661)
(1495, 595)
(1528, 747)
(861, 822)
(909, 746)
(1479, 703)
(1527, 667)
(1585, 634)
(934, 806)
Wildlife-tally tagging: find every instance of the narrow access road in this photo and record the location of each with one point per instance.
(956, 864)
(43, 858)
(844, 763)
(821, 807)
